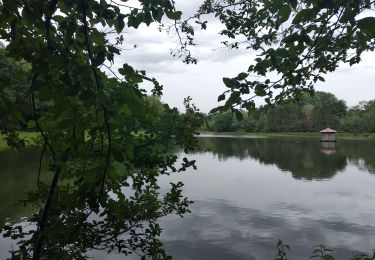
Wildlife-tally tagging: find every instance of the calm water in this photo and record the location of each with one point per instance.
(248, 193)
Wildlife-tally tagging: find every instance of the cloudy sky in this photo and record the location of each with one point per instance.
(203, 82)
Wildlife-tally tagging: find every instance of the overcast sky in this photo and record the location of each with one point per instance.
(203, 82)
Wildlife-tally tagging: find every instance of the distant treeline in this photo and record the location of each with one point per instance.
(310, 114)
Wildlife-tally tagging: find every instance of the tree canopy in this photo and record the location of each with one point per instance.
(310, 114)
(297, 42)
(100, 136)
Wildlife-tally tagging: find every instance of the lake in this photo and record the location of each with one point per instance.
(248, 193)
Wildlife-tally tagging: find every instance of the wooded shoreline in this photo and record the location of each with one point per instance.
(349, 136)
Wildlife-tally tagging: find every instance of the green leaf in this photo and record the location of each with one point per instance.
(242, 76)
(135, 78)
(147, 18)
(293, 3)
(71, 28)
(173, 15)
(157, 13)
(113, 49)
(99, 58)
(221, 97)
(250, 106)
(126, 70)
(229, 83)
(11, 5)
(260, 91)
(97, 37)
(234, 98)
(303, 16)
(119, 24)
(348, 15)
(285, 13)
(109, 14)
(134, 21)
(367, 24)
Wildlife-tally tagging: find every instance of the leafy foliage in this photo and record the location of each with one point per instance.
(360, 118)
(282, 250)
(14, 105)
(104, 144)
(296, 42)
(319, 252)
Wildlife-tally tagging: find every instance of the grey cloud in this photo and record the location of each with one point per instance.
(144, 36)
(355, 69)
(153, 55)
(145, 56)
(152, 59)
(154, 47)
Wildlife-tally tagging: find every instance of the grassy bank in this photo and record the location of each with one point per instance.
(359, 136)
(29, 137)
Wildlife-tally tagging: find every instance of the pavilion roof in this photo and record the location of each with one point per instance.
(328, 130)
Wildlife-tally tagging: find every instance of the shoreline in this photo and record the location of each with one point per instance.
(342, 136)
(29, 136)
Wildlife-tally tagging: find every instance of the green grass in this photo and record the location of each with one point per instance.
(3, 144)
(28, 136)
(294, 134)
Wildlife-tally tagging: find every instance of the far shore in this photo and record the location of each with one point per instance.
(29, 137)
(349, 136)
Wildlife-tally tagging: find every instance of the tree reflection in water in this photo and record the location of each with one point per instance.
(303, 157)
(224, 229)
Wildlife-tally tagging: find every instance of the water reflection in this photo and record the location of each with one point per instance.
(304, 157)
(219, 230)
(17, 176)
(328, 148)
(248, 193)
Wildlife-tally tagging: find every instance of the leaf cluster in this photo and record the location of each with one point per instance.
(102, 142)
(297, 43)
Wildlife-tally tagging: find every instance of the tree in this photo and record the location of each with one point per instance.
(360, 118)
(284, 118)
(327, 111)
(312, 113)
(103, 142)
(298, 41)
(223, 122)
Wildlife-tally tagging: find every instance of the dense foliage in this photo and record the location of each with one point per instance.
(296, 43)
(102, 141)
(13, 92)
(310, 114)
